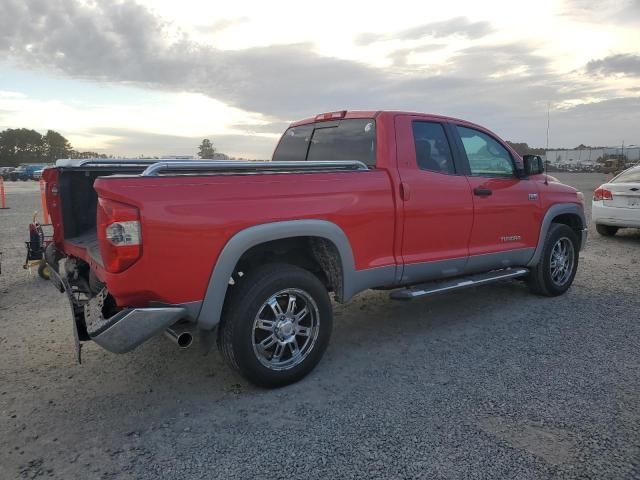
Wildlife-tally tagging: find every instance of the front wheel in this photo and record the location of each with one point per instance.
(276, 325)
(558, 264)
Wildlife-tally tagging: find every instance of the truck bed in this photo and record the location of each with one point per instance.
(190, 209)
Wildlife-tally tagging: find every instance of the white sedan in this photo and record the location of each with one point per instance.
(616, 204)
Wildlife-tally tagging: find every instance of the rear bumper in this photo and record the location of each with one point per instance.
(615, 216)
(133, 326)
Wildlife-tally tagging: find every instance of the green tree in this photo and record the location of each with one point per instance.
(206, 149)
(20, 145)
(55, 146)
(524, 149)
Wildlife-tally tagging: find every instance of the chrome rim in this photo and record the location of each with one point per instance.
(562, 258)
(285, 329)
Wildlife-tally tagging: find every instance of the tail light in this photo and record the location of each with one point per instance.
(119, 234)
(602, 194)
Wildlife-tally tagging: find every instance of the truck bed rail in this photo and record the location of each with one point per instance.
(156, 167)
(233, 166)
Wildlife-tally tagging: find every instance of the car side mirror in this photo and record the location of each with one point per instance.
(533, 164)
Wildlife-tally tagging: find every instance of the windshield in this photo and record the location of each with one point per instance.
(350, 139)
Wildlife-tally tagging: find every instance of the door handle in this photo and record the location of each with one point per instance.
(405, 191)
(482, 192)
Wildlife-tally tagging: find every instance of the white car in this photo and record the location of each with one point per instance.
(616, 204)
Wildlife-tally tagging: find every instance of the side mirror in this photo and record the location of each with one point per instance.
(533, 164)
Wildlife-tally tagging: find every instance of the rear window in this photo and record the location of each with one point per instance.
(351, 139)
(632, 176)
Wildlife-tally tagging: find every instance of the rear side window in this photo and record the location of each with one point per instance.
(432, 148)
(350, 139)
(487, 158)
(294, 144)
(632, 176)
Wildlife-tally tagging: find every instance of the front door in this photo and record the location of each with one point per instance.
(507, 214)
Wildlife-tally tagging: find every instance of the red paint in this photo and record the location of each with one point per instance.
(394, 214)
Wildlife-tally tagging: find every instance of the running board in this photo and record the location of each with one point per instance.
(431, 288)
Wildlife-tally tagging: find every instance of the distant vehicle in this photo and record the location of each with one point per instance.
(416, 203)
(5, 172)
(37, 174)
(613, 165)
(25, 171)
(616, 204)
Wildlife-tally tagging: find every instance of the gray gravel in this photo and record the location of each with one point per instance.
(485, 383)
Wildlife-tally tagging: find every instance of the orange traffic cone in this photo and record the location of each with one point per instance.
(3, 200)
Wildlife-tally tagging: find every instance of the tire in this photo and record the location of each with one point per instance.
(606, 230)
(43, 270)
(554, 273)
(261, 344)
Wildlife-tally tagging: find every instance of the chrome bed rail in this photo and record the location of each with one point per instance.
(156, 167)
(233, 166)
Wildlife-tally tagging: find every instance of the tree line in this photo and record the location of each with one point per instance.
(23, 145)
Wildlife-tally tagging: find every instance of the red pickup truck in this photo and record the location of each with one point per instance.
(247, 253)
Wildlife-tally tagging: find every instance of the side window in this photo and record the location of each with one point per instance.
(487, 158)
(294, 144)
(432, 148)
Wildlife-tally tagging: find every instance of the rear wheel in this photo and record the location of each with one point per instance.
(558, 264)
(606, 230)
(276, 325)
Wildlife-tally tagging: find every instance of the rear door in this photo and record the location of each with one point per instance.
(506, 208)
(436, 199)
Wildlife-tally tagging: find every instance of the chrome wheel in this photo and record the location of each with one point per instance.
(561, 261)
(285, 329)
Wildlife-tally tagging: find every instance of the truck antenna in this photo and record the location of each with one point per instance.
(546, 150)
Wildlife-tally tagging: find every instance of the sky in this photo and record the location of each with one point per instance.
(155, 77)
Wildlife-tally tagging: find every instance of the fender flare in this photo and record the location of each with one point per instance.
(553, 212)
(238, 244)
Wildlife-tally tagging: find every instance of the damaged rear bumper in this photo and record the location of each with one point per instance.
(131, 327)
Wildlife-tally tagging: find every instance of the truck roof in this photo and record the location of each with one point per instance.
(376, 113)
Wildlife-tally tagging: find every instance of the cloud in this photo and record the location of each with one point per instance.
(625, 64)
(460, 26)
(505, 86)
(603, 11)
(399, 57)
(220, 25)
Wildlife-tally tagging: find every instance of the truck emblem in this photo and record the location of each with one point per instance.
(533, 196)
(511, 238)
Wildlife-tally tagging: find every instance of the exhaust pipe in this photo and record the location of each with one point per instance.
(180, 335)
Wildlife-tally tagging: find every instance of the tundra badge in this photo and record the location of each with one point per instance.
(511, 238)
(533, 196)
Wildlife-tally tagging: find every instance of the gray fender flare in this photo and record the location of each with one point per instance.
(211, 309)
(553, 212)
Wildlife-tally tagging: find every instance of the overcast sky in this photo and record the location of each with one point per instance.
(154, 77)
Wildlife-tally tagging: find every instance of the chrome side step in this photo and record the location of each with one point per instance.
(458, 283)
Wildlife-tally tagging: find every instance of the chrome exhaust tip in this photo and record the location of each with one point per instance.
(179, 335)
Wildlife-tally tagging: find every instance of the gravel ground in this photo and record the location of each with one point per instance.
(489, 382)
